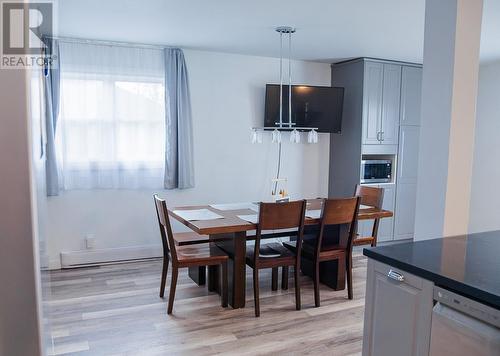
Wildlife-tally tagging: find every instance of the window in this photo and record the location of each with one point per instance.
(112, 114)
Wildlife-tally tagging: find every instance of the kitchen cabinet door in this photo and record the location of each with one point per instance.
(404, 219)
(391, 97)
(408, 154)
(386, 227)
(372, 102)
(406, 191)
(398, 312)
(411, 95)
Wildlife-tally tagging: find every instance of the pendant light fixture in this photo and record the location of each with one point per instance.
(286, 124)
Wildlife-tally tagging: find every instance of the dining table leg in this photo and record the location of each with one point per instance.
(331, 273)
(198, 275)
(236, 249)
(214, 279)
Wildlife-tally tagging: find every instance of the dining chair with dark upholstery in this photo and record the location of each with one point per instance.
(277, 216)
(334, 212)
(186, 256)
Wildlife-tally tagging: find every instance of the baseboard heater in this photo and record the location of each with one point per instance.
(86, 258)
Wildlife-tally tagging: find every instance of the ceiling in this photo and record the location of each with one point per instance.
(327, 30)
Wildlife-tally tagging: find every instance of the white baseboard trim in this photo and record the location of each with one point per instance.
(44, 261)
(82, 258)
(54, 263)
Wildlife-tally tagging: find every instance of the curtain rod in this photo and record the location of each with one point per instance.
(108, 43)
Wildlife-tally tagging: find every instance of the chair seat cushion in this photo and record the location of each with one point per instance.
(207, 254)
(308, 247)
(270, 253)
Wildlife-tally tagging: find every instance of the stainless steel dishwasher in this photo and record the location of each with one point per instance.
(461, 326)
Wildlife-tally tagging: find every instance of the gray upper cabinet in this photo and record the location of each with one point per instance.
(381, 103)
(398, 312)
(391, 95)
(372, 102)
(411, 92)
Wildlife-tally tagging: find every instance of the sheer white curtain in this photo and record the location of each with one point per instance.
(111, 132)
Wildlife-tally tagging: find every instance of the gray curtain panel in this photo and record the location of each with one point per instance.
(179, 170)
(52, 96)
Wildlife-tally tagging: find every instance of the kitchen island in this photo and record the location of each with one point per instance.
(434, 296)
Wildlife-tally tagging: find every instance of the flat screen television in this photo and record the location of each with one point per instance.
(312, 106)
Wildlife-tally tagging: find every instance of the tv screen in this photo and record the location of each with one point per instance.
(312, 106)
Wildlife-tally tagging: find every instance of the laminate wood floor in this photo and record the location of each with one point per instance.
(116, 310)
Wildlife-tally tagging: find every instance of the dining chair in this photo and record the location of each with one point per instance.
(185, 256)
(373, 197)
(276, 216)
(334, 212)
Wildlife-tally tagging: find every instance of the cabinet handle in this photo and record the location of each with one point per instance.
(395, 275)
(381, 135)
(378, 136)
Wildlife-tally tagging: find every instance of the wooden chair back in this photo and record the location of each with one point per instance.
(339, 212)
(280, 216)
(167, 237)
(371, 196)
(374, 197)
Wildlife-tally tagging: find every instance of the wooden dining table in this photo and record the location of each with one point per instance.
(231, 233)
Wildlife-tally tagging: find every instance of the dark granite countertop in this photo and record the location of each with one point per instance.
(468, 265)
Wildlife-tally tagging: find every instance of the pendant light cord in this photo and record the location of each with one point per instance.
(289, 31)
(278, 169)
(290, 79)
(281, 79)
(281, 114)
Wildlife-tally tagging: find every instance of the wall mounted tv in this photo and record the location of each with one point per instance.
(312, 106)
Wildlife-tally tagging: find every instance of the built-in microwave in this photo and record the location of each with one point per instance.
(376, 171)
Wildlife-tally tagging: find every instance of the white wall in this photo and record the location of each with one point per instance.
(485, 197)
(227, 93)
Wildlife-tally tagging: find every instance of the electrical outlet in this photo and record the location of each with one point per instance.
(90, 241)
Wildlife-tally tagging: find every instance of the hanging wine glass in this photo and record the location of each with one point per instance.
(276, 138)
(256, 136)
(312, 136)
